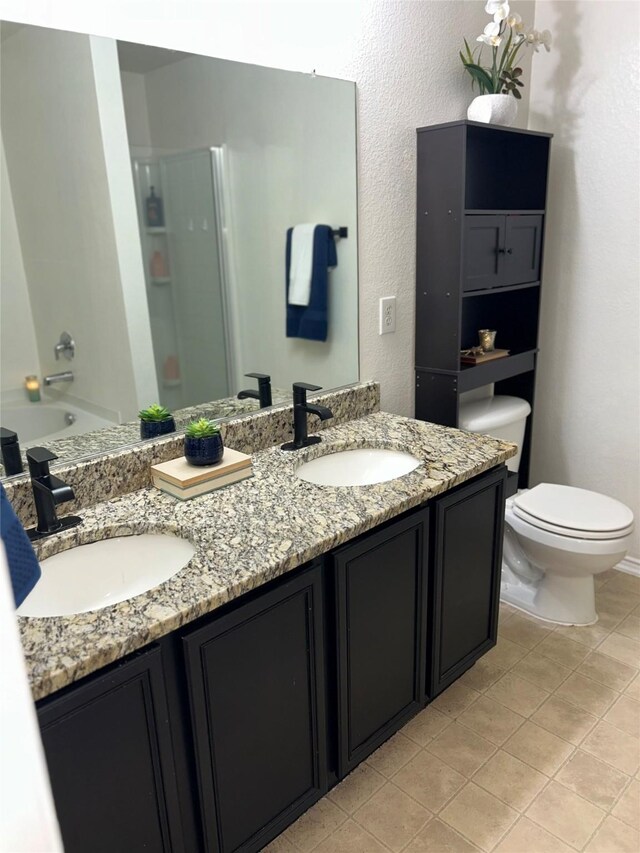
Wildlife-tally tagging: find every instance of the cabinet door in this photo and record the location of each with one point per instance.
(380, 584)
(483, 248)
(110, 760)
(257, 697)
(466, 567)
(523, 241)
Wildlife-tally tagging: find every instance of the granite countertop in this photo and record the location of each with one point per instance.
(245, 535)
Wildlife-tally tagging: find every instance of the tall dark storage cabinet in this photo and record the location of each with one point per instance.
(481, 196)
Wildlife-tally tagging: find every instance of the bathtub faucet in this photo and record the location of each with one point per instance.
(65, 376)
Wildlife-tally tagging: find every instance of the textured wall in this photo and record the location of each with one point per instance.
(403, 57)
(586, 428)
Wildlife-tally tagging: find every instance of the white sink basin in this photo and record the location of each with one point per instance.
(362, 467)
(89, 577)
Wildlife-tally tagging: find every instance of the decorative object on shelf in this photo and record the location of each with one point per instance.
(32, 387)
(154, 209)
(203, 443)
(155, 420)
(178, 478)
(158, 265)
(498, 81)
(476, 355)
(487, 338)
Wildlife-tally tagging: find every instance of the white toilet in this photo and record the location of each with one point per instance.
(556, 537)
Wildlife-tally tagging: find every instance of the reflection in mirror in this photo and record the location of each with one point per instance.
(146, 199)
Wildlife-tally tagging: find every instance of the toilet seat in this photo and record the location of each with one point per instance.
(577, 513)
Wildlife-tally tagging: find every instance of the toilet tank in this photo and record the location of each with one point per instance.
(500, 417)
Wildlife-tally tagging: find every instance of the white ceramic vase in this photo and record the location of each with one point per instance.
(493, 109)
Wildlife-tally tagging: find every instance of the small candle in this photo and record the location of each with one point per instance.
(32, 387)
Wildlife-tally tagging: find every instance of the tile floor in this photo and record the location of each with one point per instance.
(535, 749)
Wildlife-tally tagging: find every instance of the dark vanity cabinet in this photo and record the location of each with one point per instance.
(466, 563)
(481, 201)
(380, 584)
(221, 734)
(109, 751)
(256, 684)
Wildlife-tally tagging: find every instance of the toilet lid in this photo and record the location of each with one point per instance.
(574, 512)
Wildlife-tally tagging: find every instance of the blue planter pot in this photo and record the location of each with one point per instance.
(153, 429)
(203, 451)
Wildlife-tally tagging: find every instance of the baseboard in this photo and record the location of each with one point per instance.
(630, 566)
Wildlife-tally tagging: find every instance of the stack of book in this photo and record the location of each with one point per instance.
(185, 481)
(473, 357)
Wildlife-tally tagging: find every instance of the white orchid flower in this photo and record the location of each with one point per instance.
(515, 22)
(491, 35)
(545, 39)
(533, 38)
(498, 8)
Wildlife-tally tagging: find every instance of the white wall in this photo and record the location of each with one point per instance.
(64, 214)
(18, 348)
(586, 429)
(403, 57)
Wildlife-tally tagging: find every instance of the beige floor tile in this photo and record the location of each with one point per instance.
(351, 838)
(541, 671)
(592, 779)
(482, 675)
(609, 620)
(633, 689)
(587, 694)
(506, 611)
(630, 627)
(588, 635)
(356, 789)
(625, 714)
(614, 747)
(525, 632)
(614, 837)
(461, 749)
(561, 650)
(628, 806)
(527, 837)
(616, 600)
(509, 779)
(565, 720)
(393, 755)
(279, 845)
(623, 649)
(624, 582)
(437, 837)
(491, 720)
(455, 699)
(392, 817)
(429, 781)
(315, 825)
(479, 816)
(565, 814)
(426, 725)
(606, 670)
(517, 694)
(505, 653)
(538, 748)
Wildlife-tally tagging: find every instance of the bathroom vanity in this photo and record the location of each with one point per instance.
(311, 624)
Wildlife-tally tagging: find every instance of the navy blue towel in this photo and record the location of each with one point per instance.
(24, 568)
(311, 321)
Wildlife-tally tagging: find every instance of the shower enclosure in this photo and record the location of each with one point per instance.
(186, 273)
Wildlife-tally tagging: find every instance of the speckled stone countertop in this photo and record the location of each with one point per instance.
(245, 535)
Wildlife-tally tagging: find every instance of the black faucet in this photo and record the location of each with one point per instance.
(48, 492)
(264, 390)
(300, 410)
(10, 447)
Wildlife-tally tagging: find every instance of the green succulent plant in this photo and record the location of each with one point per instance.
(202, 428)
(154, 412)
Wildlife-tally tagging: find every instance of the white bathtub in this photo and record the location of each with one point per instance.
(46, 421)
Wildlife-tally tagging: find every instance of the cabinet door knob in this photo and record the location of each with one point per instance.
(501, 251)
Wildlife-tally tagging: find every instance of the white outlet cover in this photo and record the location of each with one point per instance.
(387, 315)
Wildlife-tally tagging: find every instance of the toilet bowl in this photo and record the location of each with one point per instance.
(556, 537)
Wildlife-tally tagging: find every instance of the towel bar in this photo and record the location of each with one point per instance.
(343, 231)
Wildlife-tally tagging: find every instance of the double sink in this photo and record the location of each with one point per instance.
(89, 577)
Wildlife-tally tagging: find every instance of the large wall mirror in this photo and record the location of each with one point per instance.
(146, 197)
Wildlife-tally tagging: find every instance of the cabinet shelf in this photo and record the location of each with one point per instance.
(493, 291)
(476, 375)
(477, 211)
